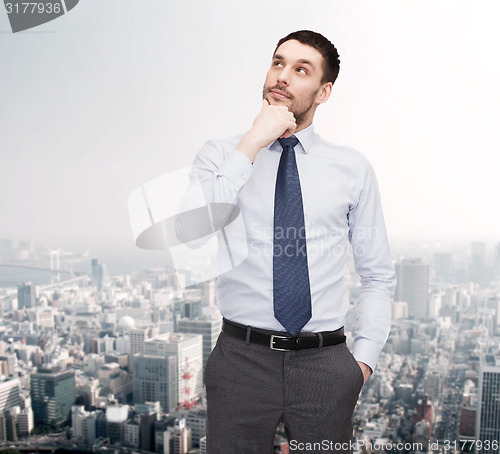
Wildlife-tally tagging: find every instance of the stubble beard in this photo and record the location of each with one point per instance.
(299, 110)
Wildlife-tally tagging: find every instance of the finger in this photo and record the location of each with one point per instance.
(265, 103)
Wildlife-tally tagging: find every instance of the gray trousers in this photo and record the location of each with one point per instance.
(251, 388)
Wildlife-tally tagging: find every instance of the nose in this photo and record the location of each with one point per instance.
(283, 76)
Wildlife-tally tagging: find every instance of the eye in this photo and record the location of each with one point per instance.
(277, 63)
(301, 71)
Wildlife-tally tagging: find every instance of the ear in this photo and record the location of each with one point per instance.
(324, 93)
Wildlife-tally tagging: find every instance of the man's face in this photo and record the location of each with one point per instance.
(294, 79)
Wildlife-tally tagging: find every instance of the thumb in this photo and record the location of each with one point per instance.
(265, 103)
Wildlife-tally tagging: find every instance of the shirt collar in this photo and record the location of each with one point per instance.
(306, 139)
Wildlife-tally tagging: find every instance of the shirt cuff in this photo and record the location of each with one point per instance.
(367, 352)
(237, 168)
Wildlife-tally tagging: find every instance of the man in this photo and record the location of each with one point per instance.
(281, 356)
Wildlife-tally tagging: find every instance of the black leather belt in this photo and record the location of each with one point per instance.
(283, 342)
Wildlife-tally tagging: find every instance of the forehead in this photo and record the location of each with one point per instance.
(295, 50)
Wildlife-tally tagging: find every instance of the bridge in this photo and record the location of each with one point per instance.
(39, 268)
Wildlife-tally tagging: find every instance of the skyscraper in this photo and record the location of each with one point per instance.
(478, 271)
(52, 394)
(137, 338)
(413, 286)
(209, 329)
(155, 379)
(188, 349)
(147, 430)
(488, 414)
(9, 394)
(496, 262)
(443, 266)
(97, 273)
(186, 309)
(26, 296)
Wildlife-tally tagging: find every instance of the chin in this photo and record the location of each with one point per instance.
(277, 101)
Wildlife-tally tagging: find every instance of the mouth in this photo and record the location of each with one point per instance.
(279, 94)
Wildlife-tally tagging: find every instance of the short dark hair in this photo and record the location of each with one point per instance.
(331, 62)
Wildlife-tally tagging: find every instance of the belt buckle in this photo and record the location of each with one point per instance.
(271, 343)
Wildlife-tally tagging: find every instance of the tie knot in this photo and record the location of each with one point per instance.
(288, 142)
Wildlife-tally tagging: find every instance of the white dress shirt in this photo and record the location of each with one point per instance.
(341, 206)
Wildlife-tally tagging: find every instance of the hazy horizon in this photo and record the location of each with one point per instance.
(116, 93)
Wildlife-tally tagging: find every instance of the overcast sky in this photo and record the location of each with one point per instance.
(118, 92)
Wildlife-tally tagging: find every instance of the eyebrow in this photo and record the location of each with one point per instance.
(302, 61)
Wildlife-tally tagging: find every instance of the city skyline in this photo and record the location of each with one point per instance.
(111, 336)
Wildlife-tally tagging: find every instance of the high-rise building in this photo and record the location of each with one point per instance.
(137, 338)
(11, 423)
(196, 420)
(26, 294)
(90, 428)
(496, 262)
(83, 424)
(25, 421)
(435, 304)
(52, 395)
(131, 434)
(443, 266)
(208, 293)
(488, 413)
(188, 349)
(189, 308)
(161, 426)
(77, 421)
(9, 394)
(493, 303)
(100, 424)
(413, 286)
(116, 417)
(97, 274)
(478, 271)
(147, 430)
(115, 380)
(177, 439)
(8, 362)
(3, 428)
(147, 414)
(155, 379)
(209, 329)
(433, 385)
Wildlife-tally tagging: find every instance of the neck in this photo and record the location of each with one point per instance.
(303, 125)
(305, 120)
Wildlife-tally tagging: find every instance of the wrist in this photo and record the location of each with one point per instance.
(249, 146)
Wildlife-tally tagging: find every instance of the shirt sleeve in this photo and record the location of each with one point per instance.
(373, 263)
(216, 178)
(221, 174)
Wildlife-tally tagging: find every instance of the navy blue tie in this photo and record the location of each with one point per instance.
(291, 288)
